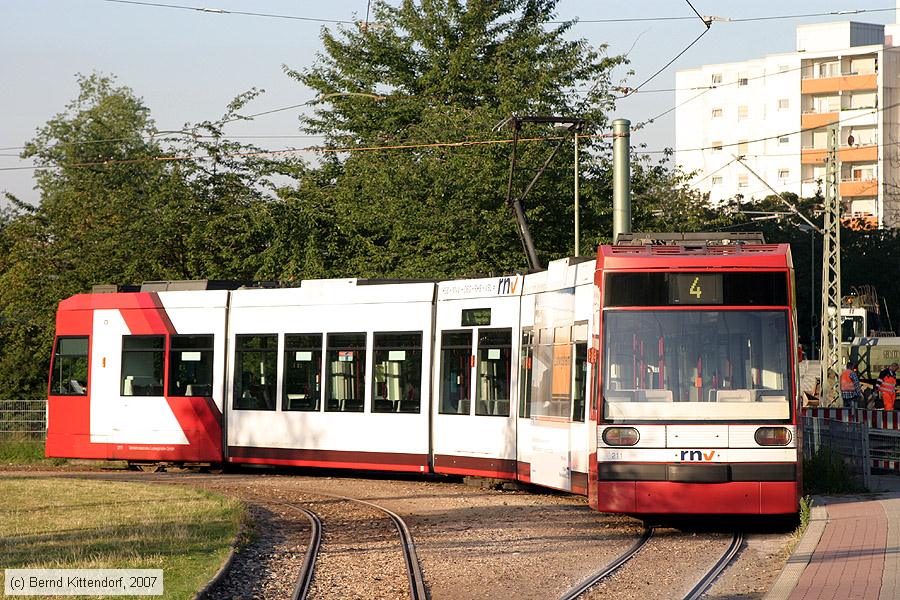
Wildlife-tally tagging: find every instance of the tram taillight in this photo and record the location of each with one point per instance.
(773, 436)
(621, 436)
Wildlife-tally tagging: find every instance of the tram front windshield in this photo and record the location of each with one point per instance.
(696, 365)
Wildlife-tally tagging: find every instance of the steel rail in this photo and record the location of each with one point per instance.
(702, 586)
(610, 568)
(413, 569)
(304, 580)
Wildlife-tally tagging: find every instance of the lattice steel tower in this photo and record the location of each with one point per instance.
(831, 278)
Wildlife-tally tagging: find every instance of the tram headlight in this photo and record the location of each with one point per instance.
(621, 436)
(773, 436)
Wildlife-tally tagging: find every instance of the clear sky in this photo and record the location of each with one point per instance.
(188, 65)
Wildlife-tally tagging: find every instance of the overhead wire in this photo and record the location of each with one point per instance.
(209, 10)
(707, 22)
(311, 149)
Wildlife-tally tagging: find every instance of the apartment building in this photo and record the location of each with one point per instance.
(774, 112)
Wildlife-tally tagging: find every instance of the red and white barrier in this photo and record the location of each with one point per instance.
(875, 419)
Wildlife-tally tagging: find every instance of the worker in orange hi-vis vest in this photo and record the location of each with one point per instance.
(851, 391)
(888, 390)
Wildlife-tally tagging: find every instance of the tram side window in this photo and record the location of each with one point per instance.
(346, 377)
(255, 372)
(397, 376)
(191, 365)
(302, 372)
(456, 372)
(494, 372)
(70, 367)
(525, 375)
(142, 365)
(579, 393)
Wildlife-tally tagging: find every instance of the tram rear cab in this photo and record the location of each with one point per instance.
(696, 399)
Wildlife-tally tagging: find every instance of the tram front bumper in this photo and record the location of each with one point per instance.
(698, 489)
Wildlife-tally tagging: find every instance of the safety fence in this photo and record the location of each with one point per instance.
(872, 436)
(23, 420)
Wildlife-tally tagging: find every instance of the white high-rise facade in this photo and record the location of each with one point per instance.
(774, 112)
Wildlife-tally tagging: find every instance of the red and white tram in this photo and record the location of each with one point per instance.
(488, 377)
(698, 383)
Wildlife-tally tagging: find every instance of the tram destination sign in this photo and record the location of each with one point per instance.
(747, 288)
(474, 317)
(695, 288)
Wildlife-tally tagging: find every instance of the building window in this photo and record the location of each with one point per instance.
(142, 365)
(70, 367)
(346, 377)
(716, 113)
(784, 174)
(717, 146)
(717, 181)
(743, 147)
(829, 69)
(743, 80)
(716, 78)
(191, 365)
(743, 112)
(494, 372)
(397, 372)
(456, 372)
(784, 140)
(784, 104)
(742, 181)
(255, 372)
(302, 372)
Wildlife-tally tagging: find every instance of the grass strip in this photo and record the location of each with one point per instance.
(58, 523)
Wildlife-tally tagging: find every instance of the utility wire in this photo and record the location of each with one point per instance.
(318, 149)
(707, 22)
(231, 12)
(576, 19)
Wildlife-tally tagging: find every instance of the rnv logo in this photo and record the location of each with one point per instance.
(697, 455)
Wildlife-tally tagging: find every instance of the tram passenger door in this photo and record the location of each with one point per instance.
(551, 408)
(559, 439)
(474, 431)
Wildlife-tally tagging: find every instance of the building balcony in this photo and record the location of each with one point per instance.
(853, 188)
(814, 120)
(844, 83)
(859, 221)
(816, 156)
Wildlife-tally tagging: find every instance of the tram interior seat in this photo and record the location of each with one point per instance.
(731, 396)
(493, 407)
(751, 395)
(197, 389)
(640, 396)
(462, 408)
(141, 385)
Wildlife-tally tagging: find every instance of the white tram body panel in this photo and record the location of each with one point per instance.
(553, 432)
(349, 414)
(475, 376)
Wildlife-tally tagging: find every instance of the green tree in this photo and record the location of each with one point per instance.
(116, 206)
(435, 71)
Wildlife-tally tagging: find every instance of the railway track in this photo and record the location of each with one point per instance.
(411, 560)
(595, 578)
(417, 589)
(696, 591)
(701, 586)
(304, 580)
